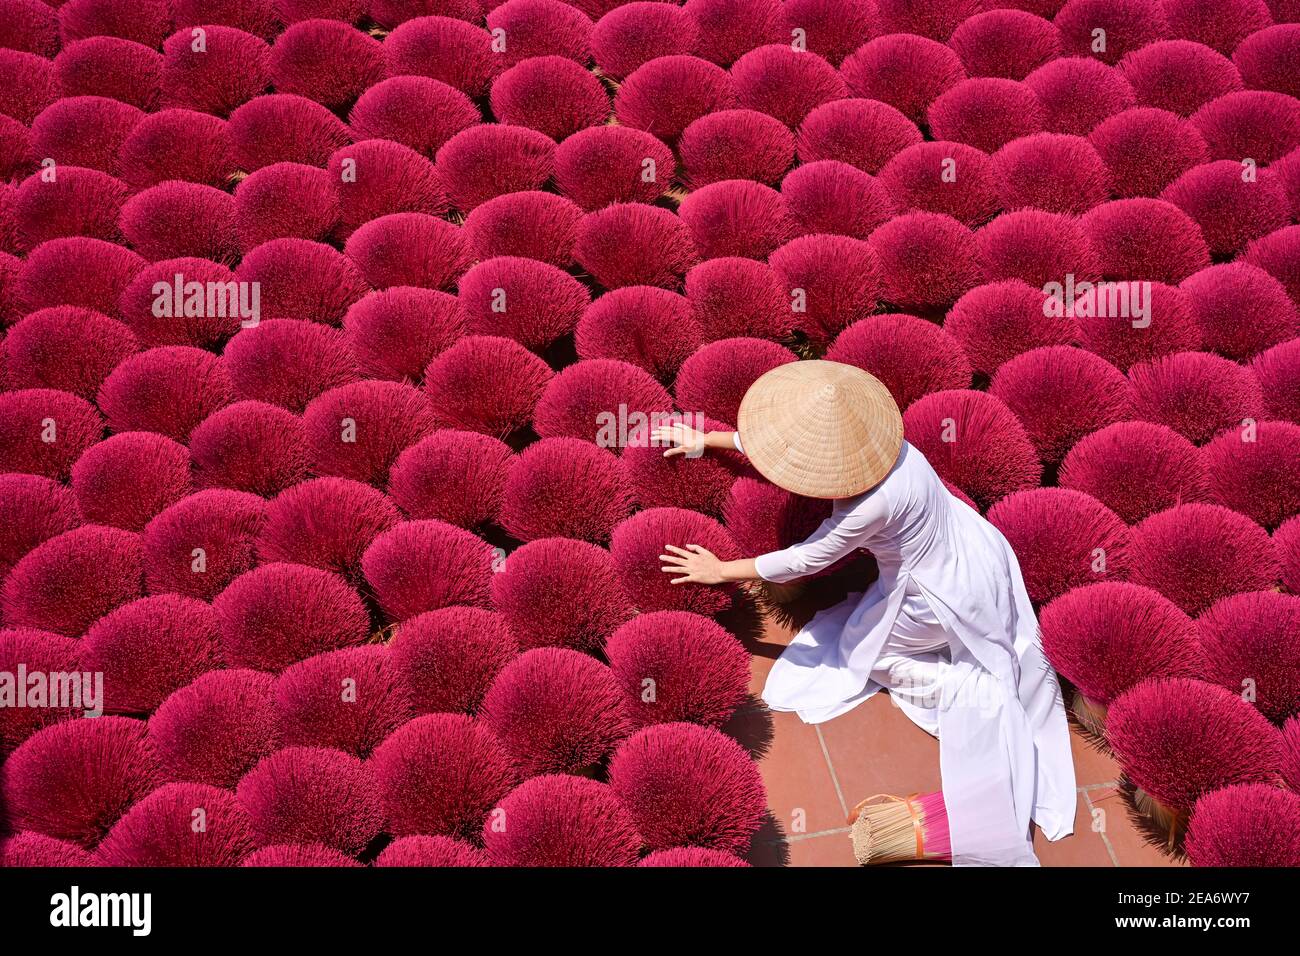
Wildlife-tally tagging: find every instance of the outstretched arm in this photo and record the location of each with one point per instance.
(839, 535)
(690, 441)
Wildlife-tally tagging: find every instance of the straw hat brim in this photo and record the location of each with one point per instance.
(821, 429)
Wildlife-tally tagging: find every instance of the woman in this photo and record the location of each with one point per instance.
(947, 627)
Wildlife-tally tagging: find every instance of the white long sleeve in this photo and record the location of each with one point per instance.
(852, 523)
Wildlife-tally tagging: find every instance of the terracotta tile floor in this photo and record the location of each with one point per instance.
(815, 773)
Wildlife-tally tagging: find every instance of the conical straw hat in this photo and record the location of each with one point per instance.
(821, 429)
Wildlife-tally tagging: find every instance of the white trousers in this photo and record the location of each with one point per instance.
(912, 663)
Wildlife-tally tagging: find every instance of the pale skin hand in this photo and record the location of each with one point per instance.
(698, 565)
(685, 439)
(695, 564)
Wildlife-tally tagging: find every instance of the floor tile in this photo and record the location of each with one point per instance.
(800, 791)
(1092, 765)
(759, 668)
(1127, 839)
(1084, 848)
(832, 849)
(874, 748)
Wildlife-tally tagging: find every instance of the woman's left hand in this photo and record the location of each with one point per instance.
(696, 565)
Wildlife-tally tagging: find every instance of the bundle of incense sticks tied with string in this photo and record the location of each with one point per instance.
(890, 829)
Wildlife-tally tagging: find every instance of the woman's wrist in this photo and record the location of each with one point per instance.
(720, 440)
(742, 570)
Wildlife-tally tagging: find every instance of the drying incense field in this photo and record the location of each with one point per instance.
(332, 331)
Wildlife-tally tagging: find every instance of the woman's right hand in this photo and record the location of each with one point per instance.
(684, 439)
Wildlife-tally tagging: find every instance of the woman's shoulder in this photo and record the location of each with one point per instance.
(909, 469)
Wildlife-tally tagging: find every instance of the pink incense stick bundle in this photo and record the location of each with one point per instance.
(889, 829)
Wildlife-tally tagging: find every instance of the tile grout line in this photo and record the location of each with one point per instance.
(800, 837)
(1088, 787)
(831, 767)
(1110, 850)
